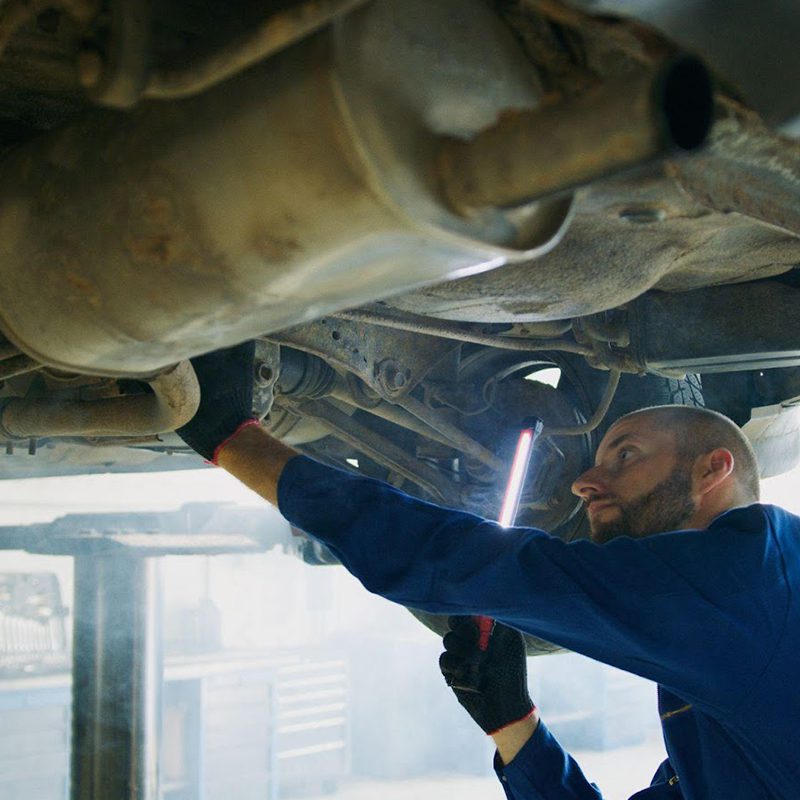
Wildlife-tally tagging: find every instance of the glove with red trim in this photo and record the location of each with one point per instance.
(226, 399)
(500, 696)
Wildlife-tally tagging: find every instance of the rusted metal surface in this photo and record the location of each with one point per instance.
(381, 449)
(174, 401)
(628, 236)
(300, 187)
(746, 169)
(276, 32)
(294, 382)
(529, 155)
(390, 362)
(131, 241)
(463, 442)
(392, 380)
(397, 416)
(472, 334)
(387, 317)
(716, 31)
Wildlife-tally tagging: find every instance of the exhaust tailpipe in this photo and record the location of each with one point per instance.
(531, 155)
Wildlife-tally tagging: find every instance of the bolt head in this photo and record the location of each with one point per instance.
(265, 374)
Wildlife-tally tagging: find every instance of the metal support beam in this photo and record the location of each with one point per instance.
(719, 329)
(116, 688)
(747, 169)
(379, 448)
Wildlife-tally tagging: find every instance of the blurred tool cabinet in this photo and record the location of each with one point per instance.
(235, 726)
(233, 730)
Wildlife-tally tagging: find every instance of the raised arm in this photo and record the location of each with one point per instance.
(646, 606)
(257, 460)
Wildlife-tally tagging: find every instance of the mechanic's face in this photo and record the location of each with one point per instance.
(639, 485)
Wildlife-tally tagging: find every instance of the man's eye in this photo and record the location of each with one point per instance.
(624, 455)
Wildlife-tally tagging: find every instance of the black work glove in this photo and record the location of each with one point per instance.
(226, 397)
(492, 685)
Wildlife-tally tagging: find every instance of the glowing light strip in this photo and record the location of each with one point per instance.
(516, 480)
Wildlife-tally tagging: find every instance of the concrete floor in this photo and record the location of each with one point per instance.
(618, 773)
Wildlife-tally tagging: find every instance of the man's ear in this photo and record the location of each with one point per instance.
(712, 469)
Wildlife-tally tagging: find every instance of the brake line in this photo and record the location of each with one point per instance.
(599, 413)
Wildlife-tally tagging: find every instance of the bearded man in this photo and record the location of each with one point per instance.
(688, 581)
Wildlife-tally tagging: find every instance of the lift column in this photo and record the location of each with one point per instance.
(117, 658)
(116, 673)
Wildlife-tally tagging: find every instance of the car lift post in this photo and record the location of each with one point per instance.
(116, 678)
(117, 657)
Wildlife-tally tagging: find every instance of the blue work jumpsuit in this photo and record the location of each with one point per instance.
(712, 616)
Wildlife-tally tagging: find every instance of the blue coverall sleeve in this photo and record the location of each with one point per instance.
(675, 608)
(543, 770)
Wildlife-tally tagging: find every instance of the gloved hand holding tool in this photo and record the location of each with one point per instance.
(503, 697)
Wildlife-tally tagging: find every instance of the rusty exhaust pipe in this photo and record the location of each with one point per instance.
(529, 155)
(175, 398)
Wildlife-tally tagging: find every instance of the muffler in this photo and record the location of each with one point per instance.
(303, 186)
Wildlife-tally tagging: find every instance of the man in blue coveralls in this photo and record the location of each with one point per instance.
(688, 582)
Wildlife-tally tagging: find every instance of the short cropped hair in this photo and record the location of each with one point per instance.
(699, 431)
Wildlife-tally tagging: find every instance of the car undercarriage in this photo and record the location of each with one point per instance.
(435, 218)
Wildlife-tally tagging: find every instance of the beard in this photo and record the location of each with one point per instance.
(666, 508)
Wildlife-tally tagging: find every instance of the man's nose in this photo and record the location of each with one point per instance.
(589, 483)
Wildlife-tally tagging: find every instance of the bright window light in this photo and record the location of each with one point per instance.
(550, 376)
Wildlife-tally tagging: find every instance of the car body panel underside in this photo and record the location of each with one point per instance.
(416, 207)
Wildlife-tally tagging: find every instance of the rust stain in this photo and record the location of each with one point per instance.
(157, 233)
(159, 210)
(275, 248)
(158, 247)
(86, 288)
